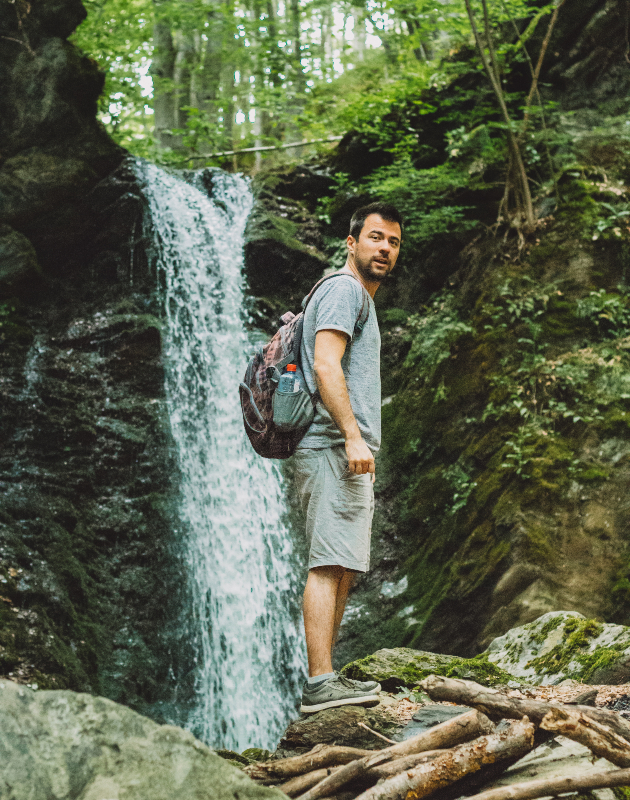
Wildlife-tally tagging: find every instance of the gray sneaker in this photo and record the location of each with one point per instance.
(368, 686)
(337, 691)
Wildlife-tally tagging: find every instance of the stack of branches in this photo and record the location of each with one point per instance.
(458, 757)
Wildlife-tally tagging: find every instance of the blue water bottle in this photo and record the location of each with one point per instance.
(289, 382)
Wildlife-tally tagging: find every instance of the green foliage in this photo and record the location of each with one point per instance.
(118, 34)
(609, 313)
(424, 197)
(433, 333)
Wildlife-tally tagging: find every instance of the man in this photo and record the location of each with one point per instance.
(335, 460)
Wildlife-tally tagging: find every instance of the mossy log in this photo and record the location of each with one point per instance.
(600, 739)
(496, 704)
(454, 731)
(455, 764)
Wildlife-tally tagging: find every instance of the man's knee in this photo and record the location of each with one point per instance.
(328, 571)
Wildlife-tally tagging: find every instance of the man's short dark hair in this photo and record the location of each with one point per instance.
(387, 211)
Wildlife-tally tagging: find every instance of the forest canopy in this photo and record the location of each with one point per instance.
(189, 79)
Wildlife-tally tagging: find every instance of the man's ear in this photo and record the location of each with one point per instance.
(351, 242)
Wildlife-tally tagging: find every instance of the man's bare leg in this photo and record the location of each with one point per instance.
(345, 584)
(320, 605)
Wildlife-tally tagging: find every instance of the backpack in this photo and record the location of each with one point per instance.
(276, 422)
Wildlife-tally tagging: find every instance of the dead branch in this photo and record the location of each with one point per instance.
(376, 733)
(555, 786)
(392, 768)
(454, 731)
(454, 764)
(496, 704)
(302, 783)
(599, 738)
(285, 146)
(322, 755)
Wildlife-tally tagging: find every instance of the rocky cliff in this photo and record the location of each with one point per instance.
(86, 472)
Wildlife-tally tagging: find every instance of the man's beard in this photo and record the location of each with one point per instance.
(365, 270)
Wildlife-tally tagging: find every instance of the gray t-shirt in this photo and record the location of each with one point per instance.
(336, 305)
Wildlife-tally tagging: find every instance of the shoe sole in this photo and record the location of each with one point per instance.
(348, 701)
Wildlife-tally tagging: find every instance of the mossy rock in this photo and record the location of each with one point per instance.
(564, 644)
(402, 667)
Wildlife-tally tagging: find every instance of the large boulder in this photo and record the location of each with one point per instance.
(561, 645)
(58, 744)
(401, 667)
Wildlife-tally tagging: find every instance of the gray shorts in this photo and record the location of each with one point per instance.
(338, 507)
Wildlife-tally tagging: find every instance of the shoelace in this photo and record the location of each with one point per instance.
(346, 682)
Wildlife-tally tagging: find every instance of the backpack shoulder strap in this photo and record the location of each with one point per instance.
(364, 313)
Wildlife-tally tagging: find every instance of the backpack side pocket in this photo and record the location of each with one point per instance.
(292, 410)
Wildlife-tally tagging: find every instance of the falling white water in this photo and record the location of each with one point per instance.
(249, 658)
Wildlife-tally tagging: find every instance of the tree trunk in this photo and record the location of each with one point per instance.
(359, 34)
(162, 68)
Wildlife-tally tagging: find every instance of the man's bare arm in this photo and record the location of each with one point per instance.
(329, 349)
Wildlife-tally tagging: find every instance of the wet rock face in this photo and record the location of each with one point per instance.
(89, 584)
(283, 244)
(88, 579)
(52, 149)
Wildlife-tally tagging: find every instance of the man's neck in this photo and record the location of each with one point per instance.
(370, 286)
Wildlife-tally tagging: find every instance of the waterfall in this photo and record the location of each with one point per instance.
(237, 547)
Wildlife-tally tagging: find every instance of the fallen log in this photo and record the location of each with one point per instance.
(554, 786)
(473, 783)
(600, 739)
(454, 731)
(391, 768)
(322, 755)
(452, 765)
(496, 704)
(302, 783)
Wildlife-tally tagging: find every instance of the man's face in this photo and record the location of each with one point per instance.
(376, 250)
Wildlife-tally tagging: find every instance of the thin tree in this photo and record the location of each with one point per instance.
(516, 180)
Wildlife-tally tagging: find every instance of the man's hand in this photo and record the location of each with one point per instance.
(360, 457)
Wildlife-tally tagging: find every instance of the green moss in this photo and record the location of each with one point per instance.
(576, 635)
(479, 669)
(547, 628)
(420, 666)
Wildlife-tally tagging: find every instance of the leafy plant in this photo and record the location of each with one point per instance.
(610, 313)
(433, 334)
